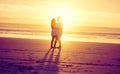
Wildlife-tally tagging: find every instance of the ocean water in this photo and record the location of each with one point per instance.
(22, 32)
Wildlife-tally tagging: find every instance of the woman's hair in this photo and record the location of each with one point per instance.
(53, 22)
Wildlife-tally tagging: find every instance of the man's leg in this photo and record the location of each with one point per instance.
(59, 40)
(56, 39)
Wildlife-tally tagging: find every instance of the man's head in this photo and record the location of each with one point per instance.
(59, 18)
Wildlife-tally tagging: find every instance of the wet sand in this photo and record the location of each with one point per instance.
(34, 56)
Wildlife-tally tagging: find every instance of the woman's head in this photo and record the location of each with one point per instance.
(53, 21)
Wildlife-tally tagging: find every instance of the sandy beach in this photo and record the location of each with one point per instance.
(34, 56)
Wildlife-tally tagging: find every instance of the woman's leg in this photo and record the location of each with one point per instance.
(53, 38)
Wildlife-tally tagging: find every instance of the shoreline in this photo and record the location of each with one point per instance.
(61, 40)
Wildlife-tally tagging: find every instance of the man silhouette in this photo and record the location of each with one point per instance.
(60, 31)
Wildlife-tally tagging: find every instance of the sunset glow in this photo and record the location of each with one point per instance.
(101, 13)
(67, 14)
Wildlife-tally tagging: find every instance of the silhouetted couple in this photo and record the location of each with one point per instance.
(56, 33)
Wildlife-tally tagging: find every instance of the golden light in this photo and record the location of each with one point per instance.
(67, 15)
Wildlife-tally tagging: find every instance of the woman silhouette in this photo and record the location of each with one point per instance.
(53, 32)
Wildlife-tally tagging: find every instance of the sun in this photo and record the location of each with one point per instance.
(67, 15)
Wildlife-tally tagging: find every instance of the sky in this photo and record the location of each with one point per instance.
(105, 13)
